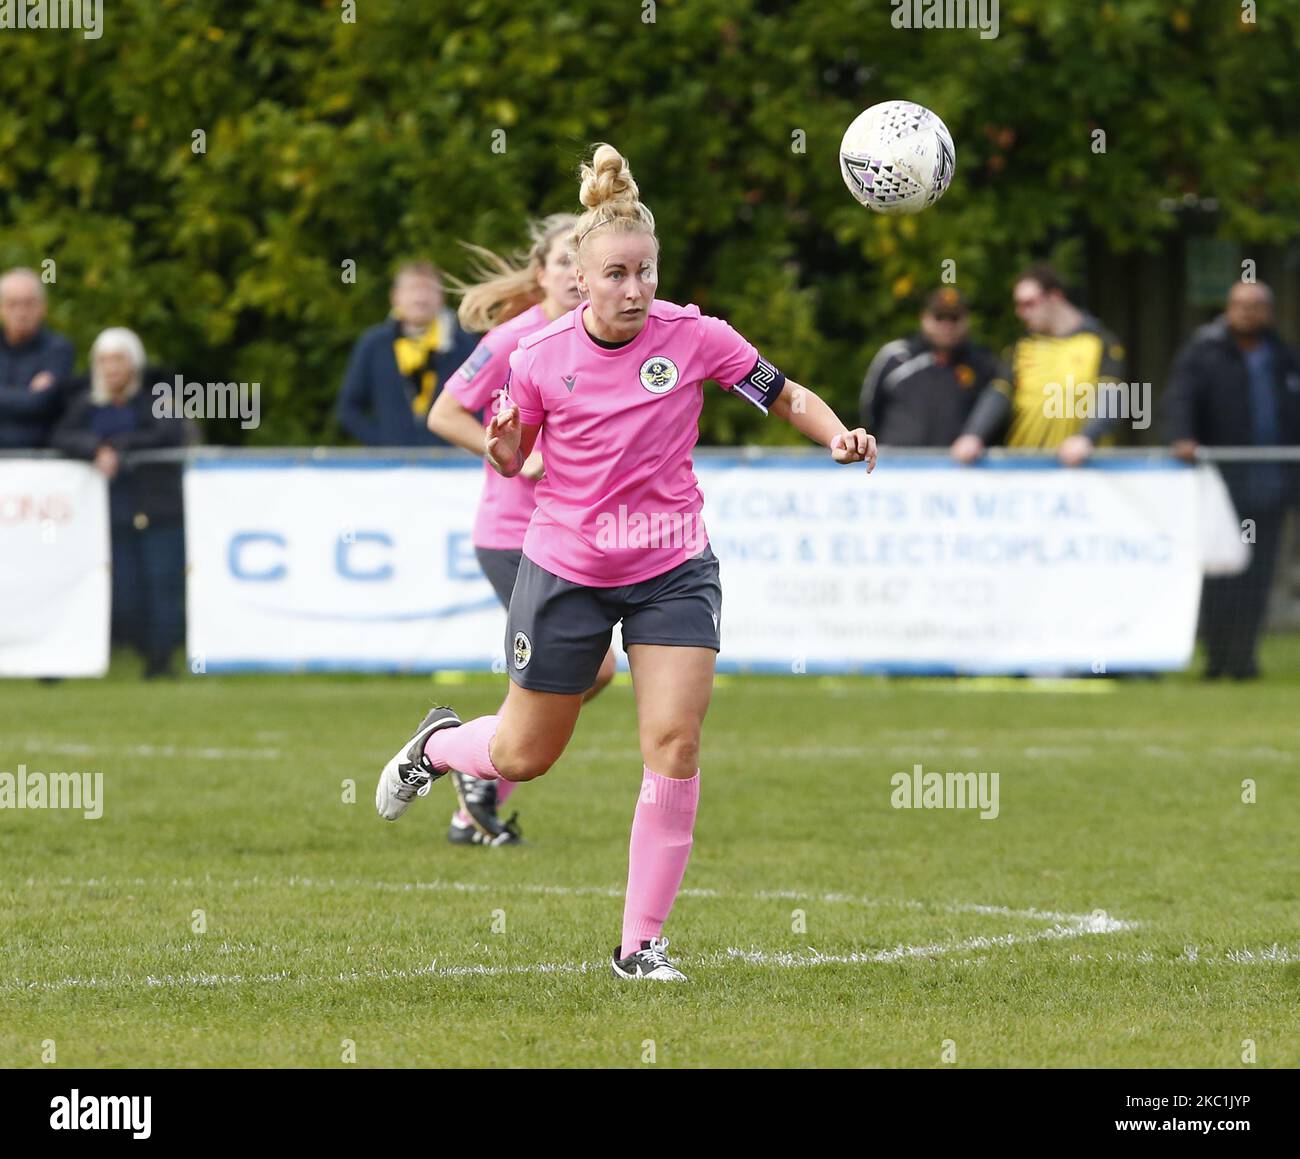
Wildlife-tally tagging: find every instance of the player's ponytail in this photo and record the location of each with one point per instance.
(503, 289)
(611, 197)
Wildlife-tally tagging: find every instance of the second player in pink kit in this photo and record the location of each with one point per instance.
(506, 505)
(617, 387)
(509, 301)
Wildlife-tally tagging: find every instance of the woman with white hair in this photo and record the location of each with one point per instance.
(112, 415)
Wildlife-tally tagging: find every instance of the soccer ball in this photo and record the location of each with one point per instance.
(897, 157)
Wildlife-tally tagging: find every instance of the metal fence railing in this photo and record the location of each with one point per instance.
(416, 454)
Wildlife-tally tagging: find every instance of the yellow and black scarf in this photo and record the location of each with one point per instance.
(415, 361)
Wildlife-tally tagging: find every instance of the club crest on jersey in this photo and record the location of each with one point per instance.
(523, 650)
(658, 374)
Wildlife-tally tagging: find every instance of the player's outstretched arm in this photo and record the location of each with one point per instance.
(507, 442)
(810, 416)
(449, 420)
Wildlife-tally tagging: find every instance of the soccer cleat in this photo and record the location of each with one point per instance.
(463, 832)
(650, 962)
(410, 774)
(467, 833)
(478, 801)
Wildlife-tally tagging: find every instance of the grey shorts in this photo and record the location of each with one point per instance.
(500, 565)
(558, 632)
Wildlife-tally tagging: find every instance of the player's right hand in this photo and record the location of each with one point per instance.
(503, 435)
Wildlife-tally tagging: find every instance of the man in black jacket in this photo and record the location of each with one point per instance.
(35, 364)
(1235, 383)
(919, 391)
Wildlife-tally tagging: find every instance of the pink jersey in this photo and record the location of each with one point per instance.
(505, 505)
(619, 502)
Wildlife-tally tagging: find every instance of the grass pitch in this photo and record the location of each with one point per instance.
(1125, 908)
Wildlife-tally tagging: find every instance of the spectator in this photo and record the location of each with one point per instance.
(104, 424)
(35, 363)
(1064, 348)
(1235, 383)
(919, 391)
(398, 367)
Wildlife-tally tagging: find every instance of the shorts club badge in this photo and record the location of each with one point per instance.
(523, 650)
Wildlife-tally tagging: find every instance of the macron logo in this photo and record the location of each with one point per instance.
(102, 1113)
(569, 380)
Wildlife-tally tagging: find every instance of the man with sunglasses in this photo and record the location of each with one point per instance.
(920, 391)
(1064, 350)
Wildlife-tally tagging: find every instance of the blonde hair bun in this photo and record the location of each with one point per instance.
(608, 180)
(611, 197)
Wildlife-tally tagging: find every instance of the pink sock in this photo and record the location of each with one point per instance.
(465, 749)
(661, 845)
(504, 787)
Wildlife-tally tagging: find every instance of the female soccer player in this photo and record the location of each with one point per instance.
(617, 387)
(510, 302)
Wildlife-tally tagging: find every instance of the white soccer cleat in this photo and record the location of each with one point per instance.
(649, 963)
(410, 774)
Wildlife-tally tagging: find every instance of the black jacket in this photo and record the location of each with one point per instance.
(26, 415)
(148, 490)
(1209, 400)
(1209, 390)
(912, 398)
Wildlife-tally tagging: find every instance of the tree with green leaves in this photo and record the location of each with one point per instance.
(205, 172)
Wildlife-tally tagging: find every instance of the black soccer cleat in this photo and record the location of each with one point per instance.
(463, 832)
(467, 833)
(478, 800)
(650, 963)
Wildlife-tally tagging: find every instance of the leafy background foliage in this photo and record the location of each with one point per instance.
(372, 141)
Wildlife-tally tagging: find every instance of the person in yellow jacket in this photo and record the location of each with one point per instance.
(1059, 397)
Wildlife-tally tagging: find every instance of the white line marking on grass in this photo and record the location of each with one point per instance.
(205, 980)
(1065, 926)
(1075, 927)
(732, 955)
(206, 753)
(439, 886)
(1274, 953)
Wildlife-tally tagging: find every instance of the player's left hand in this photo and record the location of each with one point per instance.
(855, 446)
(1075, 451)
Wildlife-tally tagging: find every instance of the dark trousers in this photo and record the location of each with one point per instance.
(149, 590)
(1233, 607)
